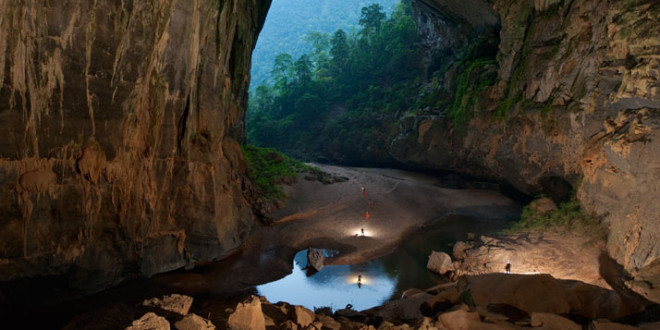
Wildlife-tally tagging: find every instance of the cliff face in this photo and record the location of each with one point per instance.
(121, 129)
(576, 96)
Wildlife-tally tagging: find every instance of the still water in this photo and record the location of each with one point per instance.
(382, 279)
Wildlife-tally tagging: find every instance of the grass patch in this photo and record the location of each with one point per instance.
(268, 169)
(568, 217)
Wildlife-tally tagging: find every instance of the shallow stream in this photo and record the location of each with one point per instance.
(382, 279)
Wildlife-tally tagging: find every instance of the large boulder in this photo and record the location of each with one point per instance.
(247, 316)
(194, 322)
(174, 303)
(150, 321)
(301, 315)
(440, 263)
(541, 293)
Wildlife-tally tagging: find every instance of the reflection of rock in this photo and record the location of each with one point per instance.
(440, 263)
(315, 259)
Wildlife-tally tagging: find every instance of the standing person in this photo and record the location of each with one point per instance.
(364, 191)
(367, 216)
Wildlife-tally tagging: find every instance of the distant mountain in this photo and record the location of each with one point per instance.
(289, 21)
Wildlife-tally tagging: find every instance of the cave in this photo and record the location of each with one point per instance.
(123, 174)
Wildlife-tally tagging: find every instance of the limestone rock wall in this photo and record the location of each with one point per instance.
(121, 124)
(579, 95)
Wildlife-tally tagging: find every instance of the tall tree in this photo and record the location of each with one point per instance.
(371, 19)
(339, 50)
(283, 72)
(303, 68)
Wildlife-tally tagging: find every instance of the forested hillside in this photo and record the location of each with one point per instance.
(290, 21)
(341, 97)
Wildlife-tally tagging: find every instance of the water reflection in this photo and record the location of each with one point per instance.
(334, 286)
(382, 279)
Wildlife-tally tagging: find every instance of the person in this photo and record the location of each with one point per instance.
(367, 216)
(507, 269)
(364, 191)
(359, 280)
(362, 231)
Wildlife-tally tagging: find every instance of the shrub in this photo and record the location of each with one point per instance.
(268, 169)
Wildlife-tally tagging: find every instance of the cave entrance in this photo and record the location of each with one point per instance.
(329, 78)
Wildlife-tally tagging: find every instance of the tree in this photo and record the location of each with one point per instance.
(303, 68)
(339, 49)
(371, 19)
(282, 71)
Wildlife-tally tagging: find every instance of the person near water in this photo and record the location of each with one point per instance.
(507, 268)
(362, 231)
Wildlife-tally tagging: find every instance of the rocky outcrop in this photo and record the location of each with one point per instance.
(576, 96)
(121, 129)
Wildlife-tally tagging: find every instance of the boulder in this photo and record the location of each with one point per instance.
(441, 302)
(315, 259)
(462, 319)
(275, 313)
(288, 325)
(459, 250)
(594, 302)
(426, 324)
(390, 326)
(607, 325)
(542, 206)
(301, 315)
(194, 322)
(440, 263)
(329, 322)
(541, 293)
(247, 315)
(547, 321)
(150, 321)
(176, 303)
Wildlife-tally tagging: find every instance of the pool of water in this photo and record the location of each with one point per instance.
(382, 279)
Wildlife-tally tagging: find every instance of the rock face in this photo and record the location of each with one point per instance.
(121, 129)
(440, 263)
(576, 96)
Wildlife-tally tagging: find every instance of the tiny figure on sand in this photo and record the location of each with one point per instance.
(507, 269)
(364, 191)
(367, 215)
(362, 231)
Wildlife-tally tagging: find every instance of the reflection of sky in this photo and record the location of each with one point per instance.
(334, 286)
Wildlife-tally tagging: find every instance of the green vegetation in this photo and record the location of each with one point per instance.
(345, 95)
(465, 96)
(568, 217)
(291, 26)
(268, 168)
